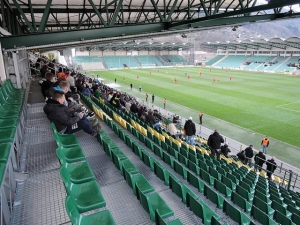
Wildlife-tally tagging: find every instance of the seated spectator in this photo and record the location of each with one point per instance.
(225, 150)
(50, 79)
(271, 167)
(65, 121)
(86, 91)
(171, 128)
(241, 156)
(259, 159)
(151, 119)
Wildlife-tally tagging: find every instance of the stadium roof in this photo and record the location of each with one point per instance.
(61, 21)
(150, 46)
(292, 43)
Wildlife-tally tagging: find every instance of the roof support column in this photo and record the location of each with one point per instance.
(45, 17)
(24, 16)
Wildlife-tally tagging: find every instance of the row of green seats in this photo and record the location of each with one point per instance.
(151, 201)
(83, 191)
(236, 177)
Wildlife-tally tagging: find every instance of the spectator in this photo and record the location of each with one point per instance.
(200, 117)
(152, 98)
(225, 150)
(151, 119)
(259, 159)
(87, 91)
(131, 86)
(241, 156)
(47, 83)
(44, 70)
(265, 143)
(127, 106)
(165, 103)
(214, 142)
(190, 131)
(171, 128)
(65, 121)
(271, 167)
(249, 155)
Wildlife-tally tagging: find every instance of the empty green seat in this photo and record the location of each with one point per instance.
(231, 185)
(200, 209)
(293, 210)
(147, 159)
(65, 140)
(161, 172)
(241, 202)
(263, 206)
(152, 202)
(78, 172)
(261, 216)
(117, 157)
(138, 181)
(158, 151)
(5, 152)
(296, 219)
(282, 219)
(128, 166)
(247, 187)
(235, 214)
(98, 218)
(180, 189)
(244, 193)
(214, 173)
(168, 159)
(70, 154)
(193, 167)
(182, 159)
(149, 144)
(7, 135)
(180, 169)
(160, 221)
(213, 196)
(195, 181)
(173, 152)
(222, 188)
(206, 177)
(280, 208)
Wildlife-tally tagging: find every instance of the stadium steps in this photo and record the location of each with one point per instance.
(220, 60)
(282, 63)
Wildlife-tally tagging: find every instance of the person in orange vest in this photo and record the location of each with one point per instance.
(200, 117)
(265, 143)
(165, 103)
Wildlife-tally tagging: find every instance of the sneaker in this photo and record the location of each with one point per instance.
(94, 122)
(91, 114)
(96, 130)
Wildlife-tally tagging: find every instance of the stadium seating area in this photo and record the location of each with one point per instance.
(175, 59)
(119, 61)
(89, 62)
(214, 60)
(148, 60)
(232, 61)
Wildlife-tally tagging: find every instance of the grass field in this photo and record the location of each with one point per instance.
(268, 104)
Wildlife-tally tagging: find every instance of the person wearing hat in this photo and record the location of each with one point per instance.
(214, 142)
(190, 131)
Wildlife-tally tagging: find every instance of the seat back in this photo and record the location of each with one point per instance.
(180, 169)
(213, 196)
(282, 219)
(241, 202)
(235, 213)
(72, 210)
(261, 216)
(175, 186)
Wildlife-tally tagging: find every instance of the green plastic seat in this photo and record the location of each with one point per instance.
(247, 187)
(168, 159)
(180, 189)
(262, 197)
(78, 172)
(241, 202)
(147, 159)
(173, 152)
(159, 220)
(263, 206)
(180, 169)
(293, 210)
(206, 177)
(149, 144)
(222, 188)
(137, 149)
(235, 214)
(65, 140)
(200, 209)
(296, 219)
(261, 217)
(129, 167)
(280, 208)
(161, 172)
(244, 193)
(152, 202)
(7, 135)
(231, 185)
(103, 217)
(138, 181)
(158, 151)
(70, 154)
(282, 219)
(87, 196)
(193, 167)
(9, 123)
(5, 152)
(214, 173)
(182, 159)
(117, 157)
(213, 196)
(2, 171)
(195, 181)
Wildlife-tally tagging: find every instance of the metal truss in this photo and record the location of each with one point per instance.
(128, 17)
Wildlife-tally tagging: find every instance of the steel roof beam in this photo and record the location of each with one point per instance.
(45, 17)
(97, 12)
(23, 16)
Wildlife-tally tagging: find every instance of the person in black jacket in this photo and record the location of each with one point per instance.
(65, 121)
(47, 83)
(259, 159)
(271, 167)
(151, 119)
(190, 131)
(225, 150)
(241, 156)
(214, 142)
(249, 155)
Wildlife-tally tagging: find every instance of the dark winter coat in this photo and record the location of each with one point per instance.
(45, 86)
(260, 159)
(150, 119)
(241, 156)
(271, 165)
(190, 128)
(249, 152)
(225, 150)
(214, 141)
(59, 114)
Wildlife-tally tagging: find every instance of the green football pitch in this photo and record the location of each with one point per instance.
(261, 103)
